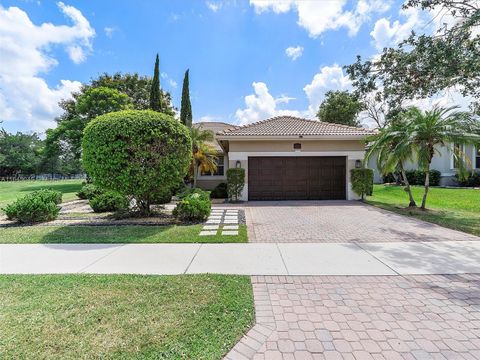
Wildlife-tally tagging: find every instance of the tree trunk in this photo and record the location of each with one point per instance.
(409, 189)
(427, 187)
(195, 174)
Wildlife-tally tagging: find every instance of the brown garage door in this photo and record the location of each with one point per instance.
(296, 178)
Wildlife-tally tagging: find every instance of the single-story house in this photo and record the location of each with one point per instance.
(290, 158)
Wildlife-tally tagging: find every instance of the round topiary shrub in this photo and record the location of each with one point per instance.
(108, 201)
(194, 207)
(138, 153)
(88, 191)
(40, 205)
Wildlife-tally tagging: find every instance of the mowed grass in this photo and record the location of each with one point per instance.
(114, 234)
(457, 209)
(122, 316)
(11, 190)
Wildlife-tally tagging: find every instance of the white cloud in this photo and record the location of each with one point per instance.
(109, 30)
(25, 49)
(319, 16)
(386, 33)
(294, 52)
(262, 105)
(214, 6)
(169, 80)
(329, 78)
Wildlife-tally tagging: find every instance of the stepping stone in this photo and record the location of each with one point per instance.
(231, 217)
(230, 232)
(227, 221)
(208, 233)
(214, 221)
(228, 213)
(230, 227)
(210, 227)
(214, 217)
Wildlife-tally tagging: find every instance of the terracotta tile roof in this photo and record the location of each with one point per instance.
(293, 126)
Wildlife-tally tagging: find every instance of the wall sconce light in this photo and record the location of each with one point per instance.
(358, 164)
(238, 164)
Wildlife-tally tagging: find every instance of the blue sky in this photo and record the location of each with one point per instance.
(234, 50)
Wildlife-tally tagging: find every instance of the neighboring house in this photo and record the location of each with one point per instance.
(208, 181)
(290, 158)
(442, 161)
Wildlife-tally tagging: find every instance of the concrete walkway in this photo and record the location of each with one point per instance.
(393, 258)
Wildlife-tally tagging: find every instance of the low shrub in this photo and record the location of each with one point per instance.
(473, 179)
(190, 191)
(417, 177)
(220, 191)
(37, 206)
(108, 201)
(235, 183)
(362, 181)
(162, 198)
(89, 191)
(194, 207)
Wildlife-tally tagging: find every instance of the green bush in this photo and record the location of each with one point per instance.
(417, 177)
(190, 191)
(193, 207)
(220, 191)
(37, 206)
(138, 153)
(473, 179)
(362, 181)
(108, 201)
(235, 183)
(162, 198)
(88, 191)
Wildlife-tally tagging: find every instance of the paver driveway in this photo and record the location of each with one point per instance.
(354, 318)
(338, 221)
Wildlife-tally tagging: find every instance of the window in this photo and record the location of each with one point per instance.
(477, 157)
(220, 168)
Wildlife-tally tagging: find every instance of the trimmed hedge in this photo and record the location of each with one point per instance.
(362, 181)
(220, 191)
(473, 180)
(235, 183)
(194, 207)
(37, 206)
(138, 153)
(108, 201)
(416, 177)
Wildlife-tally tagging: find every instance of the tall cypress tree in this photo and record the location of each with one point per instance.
(186, 106)
(155, 99)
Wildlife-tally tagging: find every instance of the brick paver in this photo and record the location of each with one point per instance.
(376, 317)
(338, 221)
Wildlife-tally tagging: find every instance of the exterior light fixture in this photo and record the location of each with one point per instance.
(238, 164)
(358, 164)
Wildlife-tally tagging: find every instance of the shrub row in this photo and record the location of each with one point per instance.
(415, 177)
(473, 180)
(40, 205)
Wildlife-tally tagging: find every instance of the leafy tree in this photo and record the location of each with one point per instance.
(204, 155)
(155, 100)
(424, 65)
(393, 149)
(440, 127)
(140, 154)
(98, 101)
(19, 153)
(186, 106)
(340, 107)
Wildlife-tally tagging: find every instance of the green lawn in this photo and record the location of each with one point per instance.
(453, 208)
(10, 190)
(113, 234)
(122, 316)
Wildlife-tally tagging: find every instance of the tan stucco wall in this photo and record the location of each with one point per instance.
(209, 184)
(287, 145)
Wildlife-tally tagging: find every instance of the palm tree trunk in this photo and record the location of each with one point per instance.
(427, 187)
(409, 189)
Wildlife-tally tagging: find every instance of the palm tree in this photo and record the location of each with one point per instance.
(392, 147)
(204, 155)
(429, 130)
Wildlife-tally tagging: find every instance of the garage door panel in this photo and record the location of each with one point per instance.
(296, 178)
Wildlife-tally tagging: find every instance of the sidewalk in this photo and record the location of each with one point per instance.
(394, 258)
